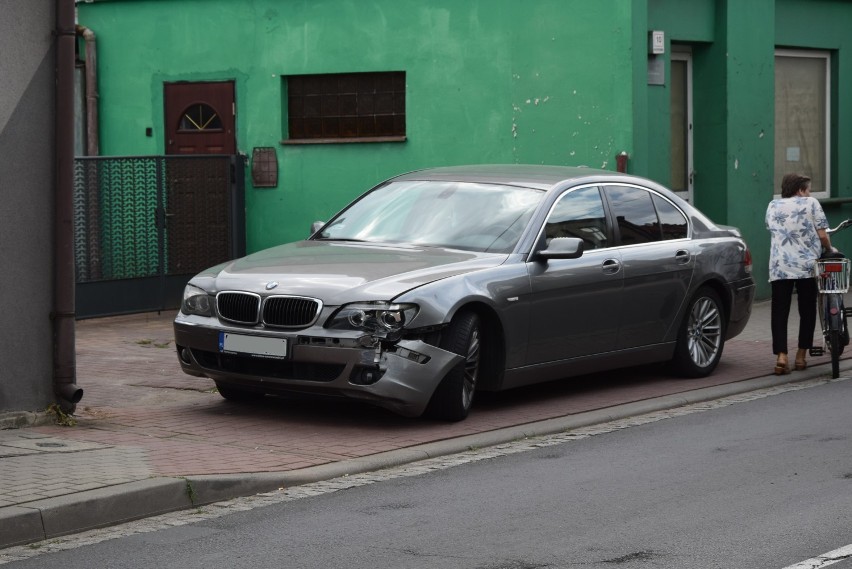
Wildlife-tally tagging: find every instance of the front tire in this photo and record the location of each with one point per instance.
(701, 336)
(454, 396)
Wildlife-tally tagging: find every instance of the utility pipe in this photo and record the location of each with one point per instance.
(92, 138)
(67, 393)
(92, 146)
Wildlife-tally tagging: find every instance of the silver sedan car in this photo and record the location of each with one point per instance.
(439, 283)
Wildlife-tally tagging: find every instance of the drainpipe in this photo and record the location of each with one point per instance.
(92, 148)
(92, 140)
(67, 393)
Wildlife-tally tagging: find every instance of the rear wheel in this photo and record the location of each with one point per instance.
(701, 336)
(835, 347)
(454, 396)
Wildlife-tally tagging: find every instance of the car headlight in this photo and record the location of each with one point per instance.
(196, 301)
(373, 317)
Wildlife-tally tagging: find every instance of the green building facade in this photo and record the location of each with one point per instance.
(715, 98)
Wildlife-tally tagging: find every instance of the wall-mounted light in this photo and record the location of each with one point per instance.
(264, 167)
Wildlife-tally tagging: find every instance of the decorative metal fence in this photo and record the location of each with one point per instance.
(144, 225)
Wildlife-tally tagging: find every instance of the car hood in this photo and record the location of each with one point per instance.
(341, 272)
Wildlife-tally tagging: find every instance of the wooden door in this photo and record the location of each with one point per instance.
(200, 118)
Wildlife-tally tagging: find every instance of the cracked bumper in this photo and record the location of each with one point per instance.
(319, 361)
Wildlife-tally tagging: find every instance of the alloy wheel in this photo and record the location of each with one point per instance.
(471, 368)
(704, 332)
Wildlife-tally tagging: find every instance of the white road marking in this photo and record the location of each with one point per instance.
(825, 559)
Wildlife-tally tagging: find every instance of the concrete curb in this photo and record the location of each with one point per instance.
(21, 419)
(49, 518)
(54, 517)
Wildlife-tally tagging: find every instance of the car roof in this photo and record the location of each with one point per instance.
(527, 175)
(544, 177)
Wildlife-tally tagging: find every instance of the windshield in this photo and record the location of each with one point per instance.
(456, 215)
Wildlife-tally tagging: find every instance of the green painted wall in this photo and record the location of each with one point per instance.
(687, 24)
(733, 44)
(827, 25)
(749, 124)
(487, 81)
(544, 81)
(692, 21)
(732, 54)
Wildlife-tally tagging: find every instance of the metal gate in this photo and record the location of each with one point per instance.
(144, 225)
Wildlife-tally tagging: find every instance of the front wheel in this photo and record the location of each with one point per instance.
(454, 395)
(701, 336)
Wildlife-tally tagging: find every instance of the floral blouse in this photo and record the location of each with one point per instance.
(793, 223)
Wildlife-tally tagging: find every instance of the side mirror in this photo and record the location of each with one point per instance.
(562, 248)
(316, 226)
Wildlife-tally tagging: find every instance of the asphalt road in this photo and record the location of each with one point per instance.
(759, 482)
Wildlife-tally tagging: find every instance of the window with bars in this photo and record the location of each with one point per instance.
(345, 107)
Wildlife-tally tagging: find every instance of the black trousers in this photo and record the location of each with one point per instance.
(782, 295)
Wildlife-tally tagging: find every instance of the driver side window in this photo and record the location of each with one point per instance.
(579, 213)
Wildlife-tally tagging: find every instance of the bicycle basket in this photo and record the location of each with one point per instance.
(832, 275)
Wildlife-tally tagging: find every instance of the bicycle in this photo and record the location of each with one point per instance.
(831, 271)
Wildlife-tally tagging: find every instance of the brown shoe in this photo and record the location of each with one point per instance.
(782, 366)
(801, 362)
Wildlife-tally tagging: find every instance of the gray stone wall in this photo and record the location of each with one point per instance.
(27, 185)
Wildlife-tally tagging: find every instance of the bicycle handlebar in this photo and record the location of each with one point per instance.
(842, 225)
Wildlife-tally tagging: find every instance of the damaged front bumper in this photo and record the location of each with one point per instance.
(400, 377)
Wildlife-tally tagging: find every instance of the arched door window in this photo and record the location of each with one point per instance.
(199, 117)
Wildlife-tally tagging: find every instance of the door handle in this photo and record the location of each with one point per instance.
(610, 266)
(682, 257)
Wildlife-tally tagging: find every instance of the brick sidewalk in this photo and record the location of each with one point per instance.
(142, 418)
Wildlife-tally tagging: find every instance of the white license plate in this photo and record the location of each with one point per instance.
(259, 346)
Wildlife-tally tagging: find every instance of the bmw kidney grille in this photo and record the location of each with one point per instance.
(279, 311)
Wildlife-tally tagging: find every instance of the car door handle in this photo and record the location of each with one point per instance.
(610, 266)
(682, 257)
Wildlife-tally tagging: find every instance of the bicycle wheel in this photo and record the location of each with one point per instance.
(835, 346)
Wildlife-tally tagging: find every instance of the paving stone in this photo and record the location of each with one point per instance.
(142, 419)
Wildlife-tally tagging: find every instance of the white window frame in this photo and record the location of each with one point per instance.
(826, 56)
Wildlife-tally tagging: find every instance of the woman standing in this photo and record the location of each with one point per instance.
(797, 225)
